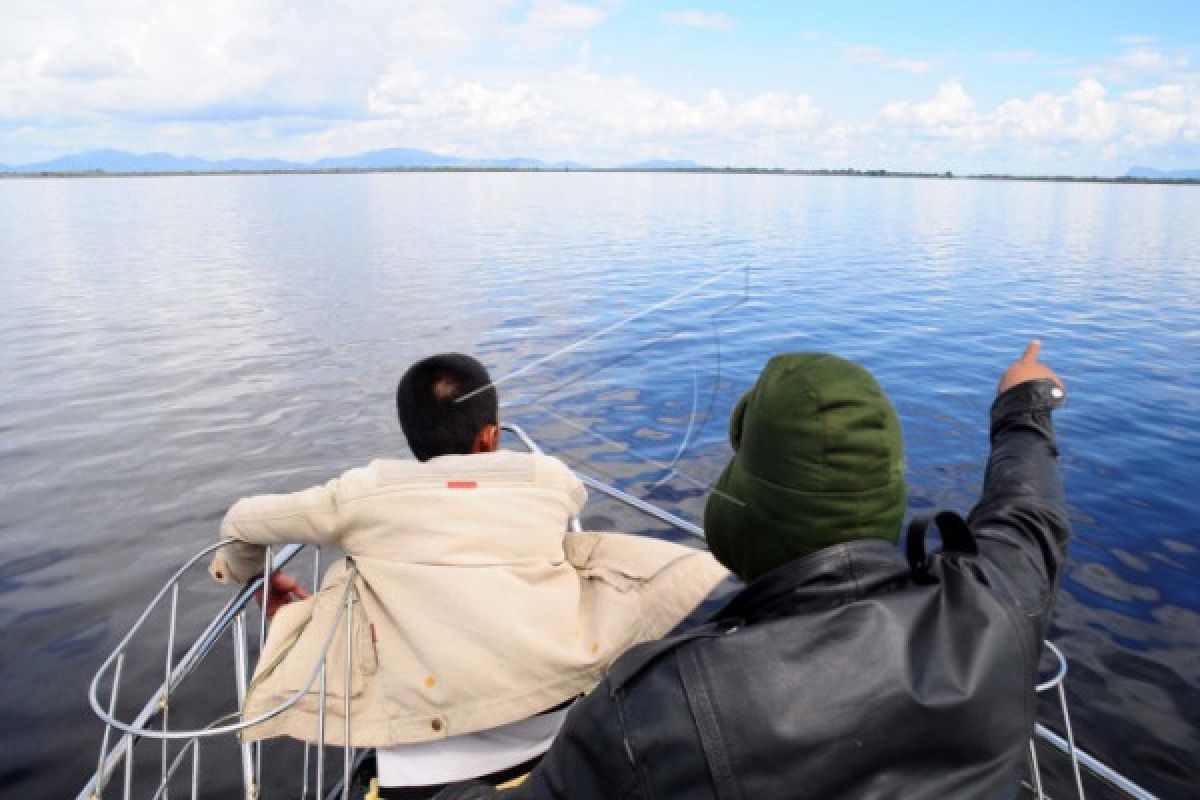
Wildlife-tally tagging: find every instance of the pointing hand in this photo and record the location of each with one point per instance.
(1027, 368)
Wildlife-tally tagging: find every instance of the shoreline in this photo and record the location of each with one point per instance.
(819, 173)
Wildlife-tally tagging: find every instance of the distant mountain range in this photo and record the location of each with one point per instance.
(121, 162)
(1164, 175)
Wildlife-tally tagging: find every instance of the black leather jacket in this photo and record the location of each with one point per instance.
(845, 674)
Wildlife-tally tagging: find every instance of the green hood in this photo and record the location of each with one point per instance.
(819, 460)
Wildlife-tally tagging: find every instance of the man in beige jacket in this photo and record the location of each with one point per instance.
(477, 616)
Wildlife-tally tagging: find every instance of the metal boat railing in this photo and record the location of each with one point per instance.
(152, 721)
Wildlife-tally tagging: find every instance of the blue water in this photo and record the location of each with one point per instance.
(171, 344)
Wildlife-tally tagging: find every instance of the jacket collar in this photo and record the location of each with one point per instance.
(829, 577)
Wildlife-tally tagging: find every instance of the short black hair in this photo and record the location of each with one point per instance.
(435, 420)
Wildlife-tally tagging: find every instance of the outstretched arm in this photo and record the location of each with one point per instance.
(306, 517)
(1021, 518)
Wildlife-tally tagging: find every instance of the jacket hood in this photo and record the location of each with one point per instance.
(819, 460)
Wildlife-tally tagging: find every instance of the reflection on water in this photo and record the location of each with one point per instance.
(173, 344)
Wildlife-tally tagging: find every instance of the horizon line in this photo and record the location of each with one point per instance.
(783, 171)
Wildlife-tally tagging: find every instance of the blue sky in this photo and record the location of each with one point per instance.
(1068, 87)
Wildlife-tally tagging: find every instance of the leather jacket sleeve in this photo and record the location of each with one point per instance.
(589, 759)
(1020, 521)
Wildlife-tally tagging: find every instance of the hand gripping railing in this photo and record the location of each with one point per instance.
(231, 616)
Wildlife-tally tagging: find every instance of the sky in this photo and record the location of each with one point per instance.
(1084, 88)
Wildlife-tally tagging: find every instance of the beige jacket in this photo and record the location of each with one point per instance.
(473, 607)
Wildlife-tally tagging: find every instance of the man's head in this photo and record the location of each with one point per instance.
(818, 460)
(447, 405)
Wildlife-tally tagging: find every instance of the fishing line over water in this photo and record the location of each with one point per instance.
(728, 296)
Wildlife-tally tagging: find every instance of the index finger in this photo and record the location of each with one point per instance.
(1031, 352)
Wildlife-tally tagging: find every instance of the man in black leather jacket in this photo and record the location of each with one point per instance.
(847, 671)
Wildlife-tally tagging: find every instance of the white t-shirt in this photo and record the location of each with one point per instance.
(470, 755)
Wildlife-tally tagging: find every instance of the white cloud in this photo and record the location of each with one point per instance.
(577, 113)
(713, 21)
(224, 58)
(1146, 60)
(1084, 115)
(950, 113)
(1136, 65)
(518, 77)
(875, 57)
(551, 21)
(1085, 122)
(1172, 96)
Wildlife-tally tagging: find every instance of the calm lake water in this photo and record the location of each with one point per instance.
(171, 344)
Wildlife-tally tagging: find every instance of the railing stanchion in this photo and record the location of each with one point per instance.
(1062, 701)
(166, 691)
(195, 768)
(128, 793)
(269, 559)
(112, 711)
(320, 787)
(346, 705)
(240, 657)
(316, 582)
(1034, 771)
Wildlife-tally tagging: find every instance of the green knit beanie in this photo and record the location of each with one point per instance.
(818, 460)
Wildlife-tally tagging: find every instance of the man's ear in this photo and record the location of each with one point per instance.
(487, 440)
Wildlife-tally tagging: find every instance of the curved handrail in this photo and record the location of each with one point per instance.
(141, 731)
(1059, 674)
(235, 727)
(141, 620)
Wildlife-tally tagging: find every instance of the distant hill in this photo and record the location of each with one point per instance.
(659, 163)
(121, 162)
(1164, 175)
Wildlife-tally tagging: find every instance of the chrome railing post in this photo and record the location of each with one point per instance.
(1074, 755)
(128, 793)
(240, 646)
(320, 787)
(316, 585)
(165, 704)
(346, 705)
(101, 778)
(195, 768)
(269, 561)
(1035, 771)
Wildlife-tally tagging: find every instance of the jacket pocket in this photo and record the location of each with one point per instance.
(289, 623)
(299, 667)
